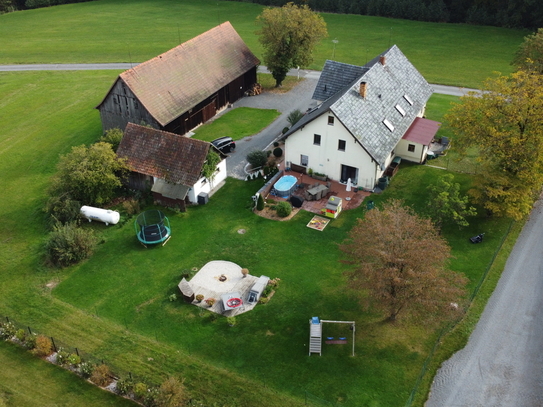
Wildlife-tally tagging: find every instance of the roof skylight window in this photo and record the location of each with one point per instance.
(389, 125)
(400, 110)
(406, 97)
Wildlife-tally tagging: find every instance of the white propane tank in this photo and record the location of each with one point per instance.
(103, 215)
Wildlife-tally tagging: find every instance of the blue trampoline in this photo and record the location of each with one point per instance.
(152, 227)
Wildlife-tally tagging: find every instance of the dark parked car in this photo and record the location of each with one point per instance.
(224, 144)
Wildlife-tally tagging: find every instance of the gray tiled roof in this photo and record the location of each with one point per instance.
(386, 86)
(334, 76)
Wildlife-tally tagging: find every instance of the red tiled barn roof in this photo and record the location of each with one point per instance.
(174, 82)
(176, 159)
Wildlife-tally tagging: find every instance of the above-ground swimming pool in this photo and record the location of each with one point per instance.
(285, 186)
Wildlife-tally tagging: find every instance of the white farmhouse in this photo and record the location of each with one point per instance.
(368, 115)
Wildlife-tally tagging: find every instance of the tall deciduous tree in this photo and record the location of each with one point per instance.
(289, 35)
(505, 124)
(446, 204)
(400, 264)
(89, 175)
(529, 55)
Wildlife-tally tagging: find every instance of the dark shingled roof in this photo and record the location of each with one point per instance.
(174, 82)
(396, 83)
(334, 77)
(176, 159)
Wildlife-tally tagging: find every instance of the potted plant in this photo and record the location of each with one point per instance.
(244, 272)
(199, 298)
(210, 302)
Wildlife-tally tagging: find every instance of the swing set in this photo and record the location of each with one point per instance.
(315, 334)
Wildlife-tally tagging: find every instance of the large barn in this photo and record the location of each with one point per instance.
(185, 86)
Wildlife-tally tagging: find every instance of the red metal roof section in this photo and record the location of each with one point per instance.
(171, 157)
(174, 82)
(422, 131)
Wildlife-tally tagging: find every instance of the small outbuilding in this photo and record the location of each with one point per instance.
(170, 164)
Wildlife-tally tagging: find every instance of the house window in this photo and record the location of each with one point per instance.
(400, 110)
(341, 145)
(389, 125)
(330, 120)
(304, 160)
(317, 139)
(411, 148)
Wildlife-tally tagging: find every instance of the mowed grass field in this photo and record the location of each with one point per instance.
(116, 306)
(94, 31)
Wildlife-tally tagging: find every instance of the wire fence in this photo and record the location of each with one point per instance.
(445, 331)
(60, 346)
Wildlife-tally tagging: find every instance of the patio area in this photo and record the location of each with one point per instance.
(220, 277)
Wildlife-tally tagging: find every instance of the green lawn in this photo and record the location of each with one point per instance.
(27, 381)
(237, 123)
(91, 32)
(115, 306)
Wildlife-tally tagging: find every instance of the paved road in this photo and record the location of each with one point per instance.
(502, 364)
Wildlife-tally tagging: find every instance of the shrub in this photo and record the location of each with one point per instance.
(113, 137)
(172, 393)
(257, 158)
(62, 357)
(260, 202)
(140, 390)
(263, 300)
(294, 117)
(173, 297)
(276, 144)
(7, 330)
(30, 341)
(124, 386)
(150, 398)
(20, 335)
(283, 209)
(43, 346)
(199, 297)
(86, 369)
(268, 153)
(231, 321)
(62, 209)
(285, 129)
(132, 206)
(69, 244)
(74, 359)
(101, 375)
(278, 152)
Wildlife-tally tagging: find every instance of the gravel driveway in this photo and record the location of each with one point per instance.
(298, 98)
(502, 364)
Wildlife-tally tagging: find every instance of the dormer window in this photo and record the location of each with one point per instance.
(408, 99)
(389, 125)
(400, 110)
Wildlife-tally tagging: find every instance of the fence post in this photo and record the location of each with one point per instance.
(29, 331)
(76, 352)
(7, 319)
(54, 346)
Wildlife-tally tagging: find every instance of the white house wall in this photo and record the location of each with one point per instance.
(205, 185)
(326, 158)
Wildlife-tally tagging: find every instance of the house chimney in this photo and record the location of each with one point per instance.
(382, 60)
(363, 88)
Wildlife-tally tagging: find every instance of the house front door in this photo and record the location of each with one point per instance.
(349, 172)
